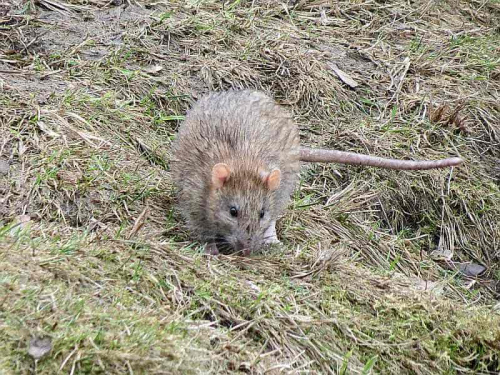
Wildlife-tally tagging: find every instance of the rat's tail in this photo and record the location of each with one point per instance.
(345, 157)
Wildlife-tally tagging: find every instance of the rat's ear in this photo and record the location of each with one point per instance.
(272, 180)
(220, 174)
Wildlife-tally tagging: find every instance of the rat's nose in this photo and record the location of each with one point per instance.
(243, 246)
(240, 245)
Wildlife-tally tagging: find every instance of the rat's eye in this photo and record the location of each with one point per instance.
(261, 215)
(233, 211)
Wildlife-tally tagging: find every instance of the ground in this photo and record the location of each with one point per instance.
(378, 272)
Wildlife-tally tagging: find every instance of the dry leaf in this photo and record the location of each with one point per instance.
(44, 128)
(439, 113)
(471, 269)
(429, 286)
(344, 76)
(153, 69)
(4, 167)
(469, 284)
(441, 254)
(39, 347)
(96, 224)
(323, 20)
(139, 222)
(253, 286)
(20, 222)
(70, 177)
(21, 148)
(443, 114)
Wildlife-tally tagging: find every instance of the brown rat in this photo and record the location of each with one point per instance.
(236, 163)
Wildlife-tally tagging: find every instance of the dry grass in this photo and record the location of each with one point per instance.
(368, 279)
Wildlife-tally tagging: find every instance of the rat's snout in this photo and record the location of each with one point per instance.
(242, 244)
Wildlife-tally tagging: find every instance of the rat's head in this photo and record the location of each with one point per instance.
(241, 205)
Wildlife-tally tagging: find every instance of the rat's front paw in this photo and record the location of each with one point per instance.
(211, 249)
(270, 236)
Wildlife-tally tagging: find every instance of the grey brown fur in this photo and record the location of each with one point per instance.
(250, 133)
(251, 136)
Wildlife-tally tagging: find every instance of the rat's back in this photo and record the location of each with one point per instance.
(236, 124)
